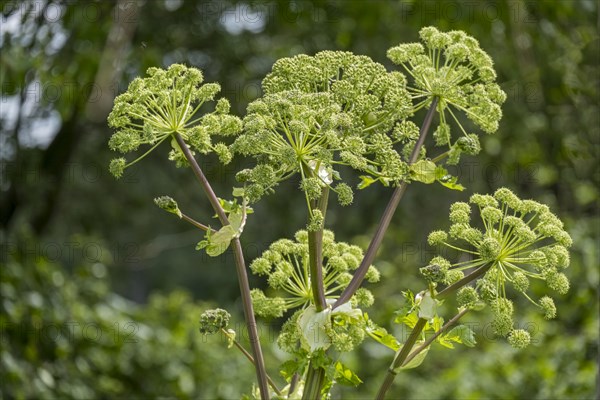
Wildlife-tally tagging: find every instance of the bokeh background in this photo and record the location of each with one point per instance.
(101, 290)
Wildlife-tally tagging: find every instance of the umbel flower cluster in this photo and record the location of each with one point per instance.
(286, 265)
(521, 240)
(451, 67)
(318, 112)
(167, 102)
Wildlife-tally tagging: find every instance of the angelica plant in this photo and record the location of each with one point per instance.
(316, 115)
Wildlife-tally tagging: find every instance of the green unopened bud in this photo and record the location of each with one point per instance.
(519, 338)
(345, 194)
(212, 321)
(260, 266)
(117, 166)
(520, 281)
(557, 281)
(312, 187)
(433, 273)
(467, 296)
(316, 221)
(372, 275)
(362, 298)
(502, 324)
(437, 237)
(548, 307)
(168, 204)
(489, 249)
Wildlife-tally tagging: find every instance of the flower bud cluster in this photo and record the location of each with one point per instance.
(521, 240)
(329, 109)
(154, 108)
(286, 265)
(212, 321)
(451, 67)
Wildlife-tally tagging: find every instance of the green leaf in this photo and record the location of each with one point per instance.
(238, 192)
(216, 243)
(290, 367)
(450, 183)
(409, 320)
(366, 181)
(345, 376)
(382, 336)
(418, 360)
(230, 338)
(461, 334)
(423, 171)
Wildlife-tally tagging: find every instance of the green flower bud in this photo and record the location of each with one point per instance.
(117, 166)
(507, 196)
(362, 298)
(520, 281)
(312, 187)
(491, 214)
(467, 296)
(345, 194)
(351, 260)
(337, 263)
(316, 221)
(453, 276)
(489, 249)
(372, 275)
(547, 305)
(557, 281)
(267, 306)
(301, 236)
(212, 321)
(519, 338)
(437, 237)
(502, 324)
(488, 290)
(223, 152)
(168, 204)
(434, 273)
(260, 266)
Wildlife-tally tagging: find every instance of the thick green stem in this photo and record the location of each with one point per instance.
(315, 254)
(315, 379)
(403, 356)
(386, 218)
(259, 363)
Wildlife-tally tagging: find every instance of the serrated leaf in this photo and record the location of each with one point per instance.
(290, 367)
(453, 185)
(366, 181)
(345, 376)
(423, 171)
(382, 336)
(409, 320)
(462, 334)
(216, 243)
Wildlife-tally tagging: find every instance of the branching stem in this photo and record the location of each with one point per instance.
(259, 363)
(390, 209)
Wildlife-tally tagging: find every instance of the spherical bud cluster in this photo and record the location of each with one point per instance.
(168, 204)
(328, 109)
(286, 266)
(166, 102)
(547, 305)
(212, 321)
(522, 241)
(451, 67)
(467, 296)
(519, 338)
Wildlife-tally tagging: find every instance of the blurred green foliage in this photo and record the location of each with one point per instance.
(547, 56)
